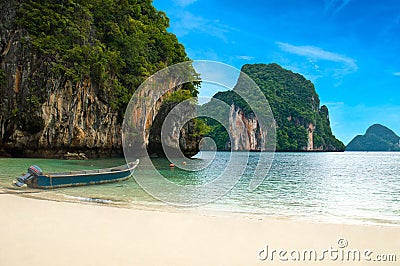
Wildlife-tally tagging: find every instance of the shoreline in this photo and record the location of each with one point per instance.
(158, 206)
(43, 232)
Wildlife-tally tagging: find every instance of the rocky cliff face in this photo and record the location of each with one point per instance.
(245, 131)
(183, 138)
(45, 114)
(74, 118)
(310, 137)
(246, 134)
(301, 123)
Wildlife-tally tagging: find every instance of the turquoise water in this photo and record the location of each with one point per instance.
(350, 187)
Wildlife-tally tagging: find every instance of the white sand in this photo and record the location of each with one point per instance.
(39, 232)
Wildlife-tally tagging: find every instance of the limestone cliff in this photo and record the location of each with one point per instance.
(45, 112)
(301, 123)
(245, 131)
(184, 138)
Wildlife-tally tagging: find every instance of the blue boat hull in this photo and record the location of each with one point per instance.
(82, 178)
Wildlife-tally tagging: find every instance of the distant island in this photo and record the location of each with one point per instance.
(301, 123)
(376, 138)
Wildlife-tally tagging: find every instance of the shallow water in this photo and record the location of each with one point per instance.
(349, 187)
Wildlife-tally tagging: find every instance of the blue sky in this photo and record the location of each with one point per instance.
(350, 49)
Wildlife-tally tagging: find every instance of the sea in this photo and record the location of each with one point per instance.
(345, 187)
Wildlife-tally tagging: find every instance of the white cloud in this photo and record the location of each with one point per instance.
(396, 73)
(335, 5)
(184, 3)
(245, 57)
(348, 65)
(187, 22)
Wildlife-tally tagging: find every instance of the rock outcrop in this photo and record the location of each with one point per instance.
(181, 137)
(45, 114)
(310, 137)
(301, 123)
(245, 131)
(75, 156)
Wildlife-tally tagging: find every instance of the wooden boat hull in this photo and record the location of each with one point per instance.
(83, 178)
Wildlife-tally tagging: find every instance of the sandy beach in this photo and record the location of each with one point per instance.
(41, 232)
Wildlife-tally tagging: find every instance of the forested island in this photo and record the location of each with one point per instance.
(69, 69)
(376, 138)
(301, 123)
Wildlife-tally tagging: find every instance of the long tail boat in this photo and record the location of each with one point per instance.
(35, 178)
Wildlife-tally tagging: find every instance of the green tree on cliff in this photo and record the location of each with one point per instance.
(117, 43)
(294, 103)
